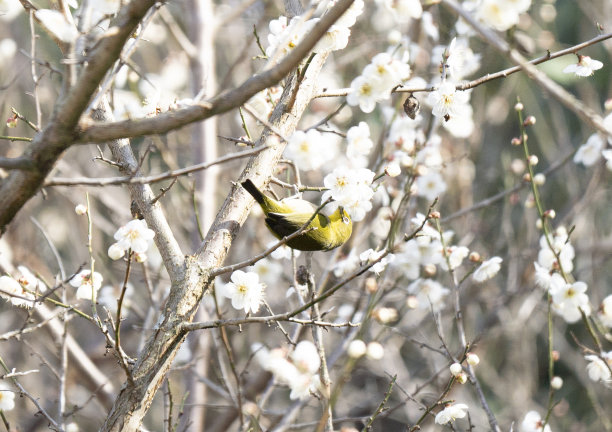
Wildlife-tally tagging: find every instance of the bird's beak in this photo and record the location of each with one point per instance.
(345, 217)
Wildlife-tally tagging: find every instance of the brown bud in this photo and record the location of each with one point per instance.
(412, 106)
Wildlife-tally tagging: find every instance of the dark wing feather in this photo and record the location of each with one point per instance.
(284, 224)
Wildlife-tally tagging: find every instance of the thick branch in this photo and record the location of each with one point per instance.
(224, 102)
(186, 294)
(49, 144)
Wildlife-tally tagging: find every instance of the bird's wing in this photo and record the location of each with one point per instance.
(285, 224)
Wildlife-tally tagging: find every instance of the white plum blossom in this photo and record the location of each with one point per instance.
(501, 14)
(404, 10)
(597, 368)
(387, 71)
(488, 269)
(591, 151)
(134, 235)
(605, 311)
(359, 144)
(349, 17)
(351, 189)
(346, 266)
(282, 252)
(376, 81)
(451, 413)
(336, 38)
(15, 292)
(285, 36)
(607, 155)
(7, 397)
(269, 271)
(403, 134)
(87, 286)
(461, 60)
(447, 102)
(429, 293)
(370, 256)
(364, 93)
(562, 246)
(56, 23)
(586, 66)
(408, 259)
(533, 422)
(310, 150)
(10, 9)
(298, 371)
(431, 185)
(569, 300)
(245, 291)
(456, 255)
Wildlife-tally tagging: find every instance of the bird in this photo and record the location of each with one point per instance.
(287, 216)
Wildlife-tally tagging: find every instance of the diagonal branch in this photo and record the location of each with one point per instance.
(221, 103)
(50, 144)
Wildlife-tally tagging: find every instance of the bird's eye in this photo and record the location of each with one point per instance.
(345, 219)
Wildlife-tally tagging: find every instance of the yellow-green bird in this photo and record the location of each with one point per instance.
(285, 217)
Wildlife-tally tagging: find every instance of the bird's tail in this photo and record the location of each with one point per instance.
(252, 189)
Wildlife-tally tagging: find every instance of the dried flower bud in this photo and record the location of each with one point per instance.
(412, 106)
(556, 355)
(526, 177)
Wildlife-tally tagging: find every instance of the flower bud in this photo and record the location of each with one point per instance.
(472, 359)
(115, 251)
(80, 209)
(556, 383)
(518, 107)
(539, 179)
(461, 378)
(375, 351)
(356, 349)
(455, 369)
(529, 121)
(516, 141)
(371, 285)
(429, 270)
(533, 160)
(474, 257)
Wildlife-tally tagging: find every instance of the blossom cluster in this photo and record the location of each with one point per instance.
(555, 259)
(286, 34)
(298, 370)
(351, 189)
(134, 236)
(377, 80)
(596, 147)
